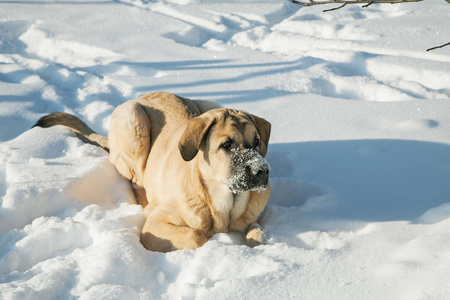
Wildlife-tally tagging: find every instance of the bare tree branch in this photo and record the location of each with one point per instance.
(441, 46)
(369, 2)
(336, 8)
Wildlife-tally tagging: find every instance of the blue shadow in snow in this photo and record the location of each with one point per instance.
(374, 180)
(228, 96)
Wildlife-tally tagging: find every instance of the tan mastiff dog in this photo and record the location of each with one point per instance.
(196, 168)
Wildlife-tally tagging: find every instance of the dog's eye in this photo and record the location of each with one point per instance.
(257, 141)
(227, 145)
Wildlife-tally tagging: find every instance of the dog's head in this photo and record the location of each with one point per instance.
(232, 145)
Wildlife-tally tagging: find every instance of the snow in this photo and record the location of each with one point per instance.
(359, 153)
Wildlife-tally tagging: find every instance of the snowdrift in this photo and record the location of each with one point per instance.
(359, 154)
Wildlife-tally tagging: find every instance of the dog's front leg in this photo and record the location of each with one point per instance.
(247, 222)
(162, 233)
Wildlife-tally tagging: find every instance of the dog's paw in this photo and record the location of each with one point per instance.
(195, 239)
(255, 235)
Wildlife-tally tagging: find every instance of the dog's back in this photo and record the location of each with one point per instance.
(87, 135)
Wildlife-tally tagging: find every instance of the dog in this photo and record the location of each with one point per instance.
(196, 168)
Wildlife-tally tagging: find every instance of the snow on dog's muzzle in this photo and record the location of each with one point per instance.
(249, 171)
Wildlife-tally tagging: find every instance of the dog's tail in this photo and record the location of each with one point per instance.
(74, 124)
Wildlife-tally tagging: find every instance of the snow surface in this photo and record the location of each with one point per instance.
(359, 154)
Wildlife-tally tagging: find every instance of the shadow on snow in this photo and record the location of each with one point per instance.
(372, 180)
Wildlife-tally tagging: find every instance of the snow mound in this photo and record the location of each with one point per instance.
(359, 150)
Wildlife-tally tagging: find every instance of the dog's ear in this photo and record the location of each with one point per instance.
(263, 127)
(193, 136)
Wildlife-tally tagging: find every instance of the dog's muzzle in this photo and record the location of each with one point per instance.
(249, 171)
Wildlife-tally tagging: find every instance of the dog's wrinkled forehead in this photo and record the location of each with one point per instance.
(236, 120)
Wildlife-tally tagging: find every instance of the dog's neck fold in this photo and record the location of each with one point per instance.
(225, 206)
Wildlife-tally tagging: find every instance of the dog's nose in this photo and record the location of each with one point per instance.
(257, 168)
(263, 175)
